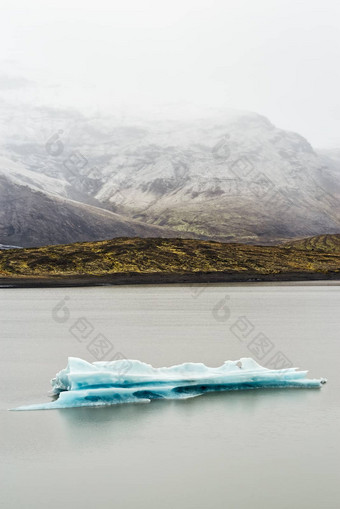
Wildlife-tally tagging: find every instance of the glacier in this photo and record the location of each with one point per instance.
(83, 383)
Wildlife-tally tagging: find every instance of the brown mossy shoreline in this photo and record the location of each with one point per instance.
(166, 261)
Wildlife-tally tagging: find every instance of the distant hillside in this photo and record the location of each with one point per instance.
(325, 243)
(165, 256)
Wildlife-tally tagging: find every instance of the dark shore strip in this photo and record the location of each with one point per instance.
(161, 279)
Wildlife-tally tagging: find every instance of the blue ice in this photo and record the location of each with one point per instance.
(130, 381)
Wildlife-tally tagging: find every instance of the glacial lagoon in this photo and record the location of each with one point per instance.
(259, 448)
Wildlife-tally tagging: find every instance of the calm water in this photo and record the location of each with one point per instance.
(258, 449)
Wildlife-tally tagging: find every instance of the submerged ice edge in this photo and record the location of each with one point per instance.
(130, 381)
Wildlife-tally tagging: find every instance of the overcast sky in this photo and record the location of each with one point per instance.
(279, 58)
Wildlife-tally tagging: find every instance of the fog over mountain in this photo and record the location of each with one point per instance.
(227, 176)
(115, 120)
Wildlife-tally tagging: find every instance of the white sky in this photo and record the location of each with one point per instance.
(277, 57)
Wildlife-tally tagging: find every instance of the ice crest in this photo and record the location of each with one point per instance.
(131, 381)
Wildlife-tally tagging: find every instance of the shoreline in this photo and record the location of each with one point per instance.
(162, 279)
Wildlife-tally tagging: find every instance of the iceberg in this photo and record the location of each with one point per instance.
(131, 381)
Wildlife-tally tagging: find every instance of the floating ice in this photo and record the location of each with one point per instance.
(124, 381)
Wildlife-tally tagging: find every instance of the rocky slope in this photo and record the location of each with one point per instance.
(35, 211)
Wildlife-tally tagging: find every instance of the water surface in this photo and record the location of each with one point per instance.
(258, 449)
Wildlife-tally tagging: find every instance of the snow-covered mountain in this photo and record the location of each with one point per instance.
(237, 178)
(35, 210)
(231, 176)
